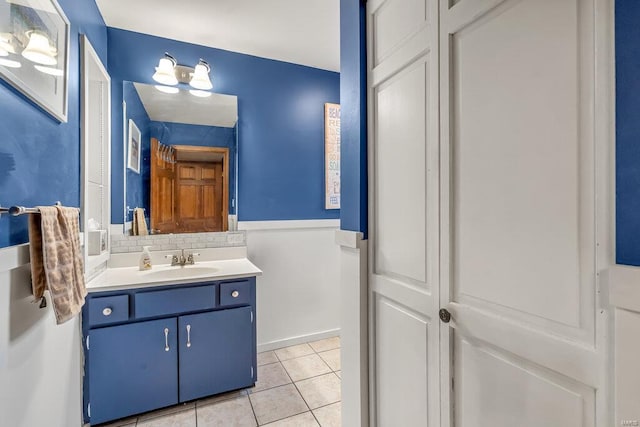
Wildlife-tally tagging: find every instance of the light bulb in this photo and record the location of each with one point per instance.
(39, 50)
(200, 78)
(167, 89)
(50, 70)
(165, 72)
(9, 63)
(200, 93)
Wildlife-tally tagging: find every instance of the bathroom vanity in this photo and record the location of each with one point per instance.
(170, 335)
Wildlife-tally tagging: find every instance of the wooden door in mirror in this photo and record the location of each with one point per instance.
(163, 177)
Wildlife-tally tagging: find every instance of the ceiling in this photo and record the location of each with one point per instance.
(182, 107)
(303, 32)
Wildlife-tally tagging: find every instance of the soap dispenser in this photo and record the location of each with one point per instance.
(145, 259)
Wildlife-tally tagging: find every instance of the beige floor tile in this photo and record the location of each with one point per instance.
(320, 391)
(293, 351)
(177, 419)
(266, 357)
(277, 403)
(332, 358)
(325, 344)
(305, 367)
(125, 422)
(166, 411)
(339, 374)
(227, 413)
(220, 397)
(270, 376)
(330, 415)
(303, 420)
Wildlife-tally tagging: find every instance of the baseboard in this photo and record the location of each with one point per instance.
(273, 345)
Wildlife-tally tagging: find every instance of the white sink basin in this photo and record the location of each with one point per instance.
(181, 272)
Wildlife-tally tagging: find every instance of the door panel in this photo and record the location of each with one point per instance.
(403, 213)
(401, 364)
(136, 355)
(220, 355)
(493, 389)
(400, 182)
(518, 199)
(526, 209)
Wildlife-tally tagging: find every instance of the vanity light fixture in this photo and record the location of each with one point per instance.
(39, 50)
(167, 89)
(170, 73)
(200, 93)
(200, 78)
(10, 63)
(165, 71)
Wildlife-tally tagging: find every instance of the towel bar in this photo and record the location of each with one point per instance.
(19, 210)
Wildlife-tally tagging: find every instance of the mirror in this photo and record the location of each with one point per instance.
(180, 164)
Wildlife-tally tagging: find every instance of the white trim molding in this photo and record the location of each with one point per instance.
(273, 345)
(624, 287)
(624, 297)
(288, 224)
(354, 330)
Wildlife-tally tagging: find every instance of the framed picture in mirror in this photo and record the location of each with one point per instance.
(133, 157)
(34, 52)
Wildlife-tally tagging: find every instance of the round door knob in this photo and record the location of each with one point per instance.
(444, 314)
(107, 311)
(235, 294)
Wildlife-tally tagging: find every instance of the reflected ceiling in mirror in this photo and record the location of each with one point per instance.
(183, 107)
(190, 130)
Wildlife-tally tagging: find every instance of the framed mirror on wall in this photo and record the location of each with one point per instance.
(186, 179)
(96, 155)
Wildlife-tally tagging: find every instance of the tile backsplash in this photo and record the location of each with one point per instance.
(121, 243)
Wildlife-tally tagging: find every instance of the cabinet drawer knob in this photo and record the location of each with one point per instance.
(107, 311)
(235, 294)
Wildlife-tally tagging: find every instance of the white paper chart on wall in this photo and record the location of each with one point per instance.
(332, 155)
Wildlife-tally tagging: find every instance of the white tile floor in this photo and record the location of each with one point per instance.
(297, 386)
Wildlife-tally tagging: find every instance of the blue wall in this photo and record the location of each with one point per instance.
(628, 132)
(353, 102)
(137, 182)
(39, 157)
(280, 128)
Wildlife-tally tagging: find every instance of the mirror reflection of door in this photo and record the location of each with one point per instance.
(189, 188)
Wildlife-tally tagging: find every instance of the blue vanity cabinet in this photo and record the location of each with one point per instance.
(215, 352)
(133, 368)
(151, 347)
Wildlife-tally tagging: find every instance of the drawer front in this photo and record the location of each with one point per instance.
(103, 310)
(173, 301)
(233, 293)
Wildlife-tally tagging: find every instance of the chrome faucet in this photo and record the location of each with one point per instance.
(181, 260)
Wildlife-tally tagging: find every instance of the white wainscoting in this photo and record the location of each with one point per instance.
(624, 295)
(298, 294)
(40, 362)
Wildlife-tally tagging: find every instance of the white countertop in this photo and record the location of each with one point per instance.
(164, 274)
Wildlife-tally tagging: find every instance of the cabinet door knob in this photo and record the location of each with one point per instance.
(166, 339)
(107, 311)
(235, 294)
(188, 335)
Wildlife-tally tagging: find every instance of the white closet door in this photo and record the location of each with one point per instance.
(521, 82)
(404, 256)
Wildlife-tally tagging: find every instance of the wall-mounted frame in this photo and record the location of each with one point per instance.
(34, 52)
(332, 155)
(133, 156)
